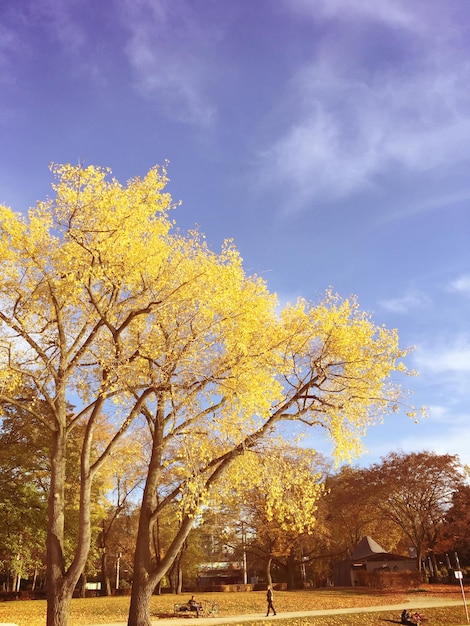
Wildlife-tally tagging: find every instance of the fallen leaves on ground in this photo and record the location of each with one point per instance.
(106, 610)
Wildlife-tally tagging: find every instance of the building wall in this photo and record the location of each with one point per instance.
(344, 574)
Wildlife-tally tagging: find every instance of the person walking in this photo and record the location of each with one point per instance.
(269, 599)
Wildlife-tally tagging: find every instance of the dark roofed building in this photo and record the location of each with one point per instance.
(219, 573)
(369, 556)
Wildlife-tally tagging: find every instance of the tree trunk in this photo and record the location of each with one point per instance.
(291, 565)
(105, 579)
(60, 583)
(58, 611)
(175, 575)
(142, 585)
(139, 611)
(147, 571)
(419, 556)
(83, 581)
(172, 578)
(179, 577)
(268, 571)
(435, 566)
(57, 601)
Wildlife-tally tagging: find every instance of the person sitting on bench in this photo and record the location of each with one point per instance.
(193, 605)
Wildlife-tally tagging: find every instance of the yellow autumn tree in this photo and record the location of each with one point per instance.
(275, 492)
(108, 308)
(73, 280)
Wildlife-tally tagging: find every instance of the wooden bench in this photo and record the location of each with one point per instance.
(205, 609)
(178, 609)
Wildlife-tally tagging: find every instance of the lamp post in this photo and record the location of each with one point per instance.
(303, 570)
(244, 553)
(118, 560)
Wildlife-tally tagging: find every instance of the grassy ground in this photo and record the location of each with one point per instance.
(449, 616)
(114, 609)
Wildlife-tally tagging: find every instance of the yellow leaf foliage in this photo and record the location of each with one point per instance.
(107, 306)
(280, 485)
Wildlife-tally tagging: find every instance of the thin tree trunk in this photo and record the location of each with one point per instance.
(179, 574)
(172, 578)
(268, 571)
(105, 579)
(435, 566)
(175, 576)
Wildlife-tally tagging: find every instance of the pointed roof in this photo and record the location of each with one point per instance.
(366, 549)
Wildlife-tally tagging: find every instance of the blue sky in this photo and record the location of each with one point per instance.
(329, 138)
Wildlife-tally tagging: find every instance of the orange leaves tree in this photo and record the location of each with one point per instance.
(106, 307)
(415, 492)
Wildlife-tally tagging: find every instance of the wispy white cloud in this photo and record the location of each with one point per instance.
(439, 413)
(169, 48)
(337, 149)
(461, 285)
(403, 304)
(388, 11)
(448, 441)
(348, 122)
(24, 29)
(448, 198)
(453, 357)
(445, 432)
(9, 43)
(61, 20)
(415, 17)
(169, 52)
